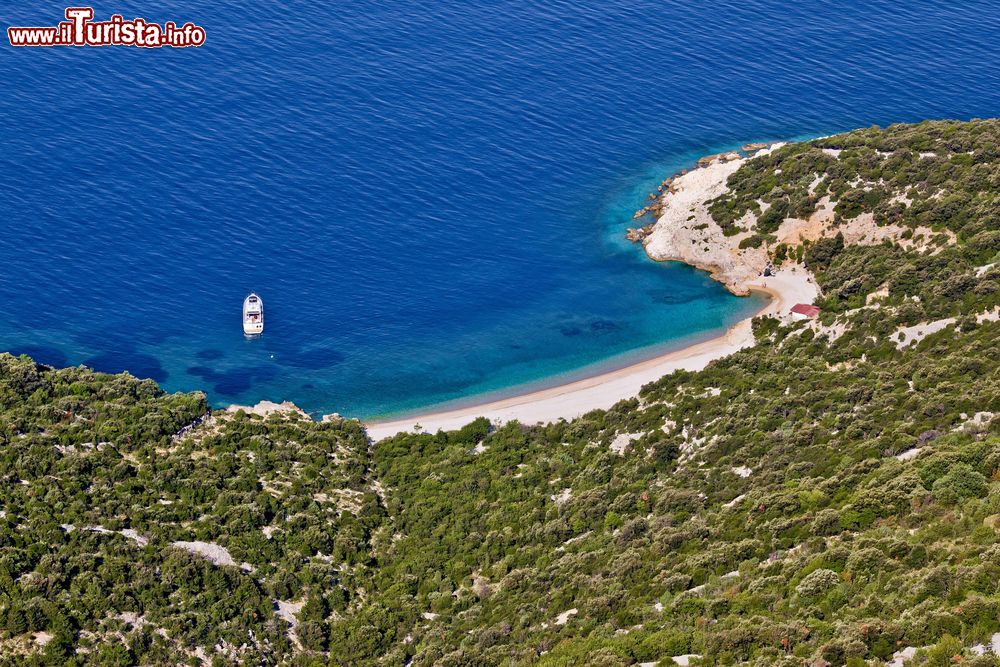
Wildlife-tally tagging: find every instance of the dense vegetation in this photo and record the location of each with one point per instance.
(945, 170)
(96, 486)
(826, 496)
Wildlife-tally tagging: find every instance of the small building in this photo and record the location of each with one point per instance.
(803, 311)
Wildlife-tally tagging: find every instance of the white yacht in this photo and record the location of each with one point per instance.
(253, 315)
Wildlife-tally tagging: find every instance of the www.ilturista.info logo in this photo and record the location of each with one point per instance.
(79, 29)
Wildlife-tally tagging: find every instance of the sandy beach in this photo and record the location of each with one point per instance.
(786, 288)
(685, 232)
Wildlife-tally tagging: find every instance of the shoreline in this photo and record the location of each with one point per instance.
(685, 232)
(602, 366)
(573, 399)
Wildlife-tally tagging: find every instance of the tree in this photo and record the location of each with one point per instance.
(820, 254)
(817, 583)
(961, 481)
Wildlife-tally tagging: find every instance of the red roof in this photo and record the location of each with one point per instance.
(805, 309)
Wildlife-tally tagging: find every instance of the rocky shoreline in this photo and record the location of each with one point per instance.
(685, 231)
(657, 199)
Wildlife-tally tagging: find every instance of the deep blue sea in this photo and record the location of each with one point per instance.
(430, 197)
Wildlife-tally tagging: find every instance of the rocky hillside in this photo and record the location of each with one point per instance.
(829, 496)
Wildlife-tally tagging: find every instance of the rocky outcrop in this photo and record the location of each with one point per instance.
(638, 234)
(267, 408)
(730, 156)
(686, 232)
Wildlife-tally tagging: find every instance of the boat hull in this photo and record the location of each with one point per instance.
(253, 315)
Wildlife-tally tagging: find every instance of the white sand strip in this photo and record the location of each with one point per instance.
(602, 391)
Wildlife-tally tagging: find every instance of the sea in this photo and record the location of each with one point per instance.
(429, 197)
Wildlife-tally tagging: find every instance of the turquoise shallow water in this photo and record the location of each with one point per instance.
(430, 197)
